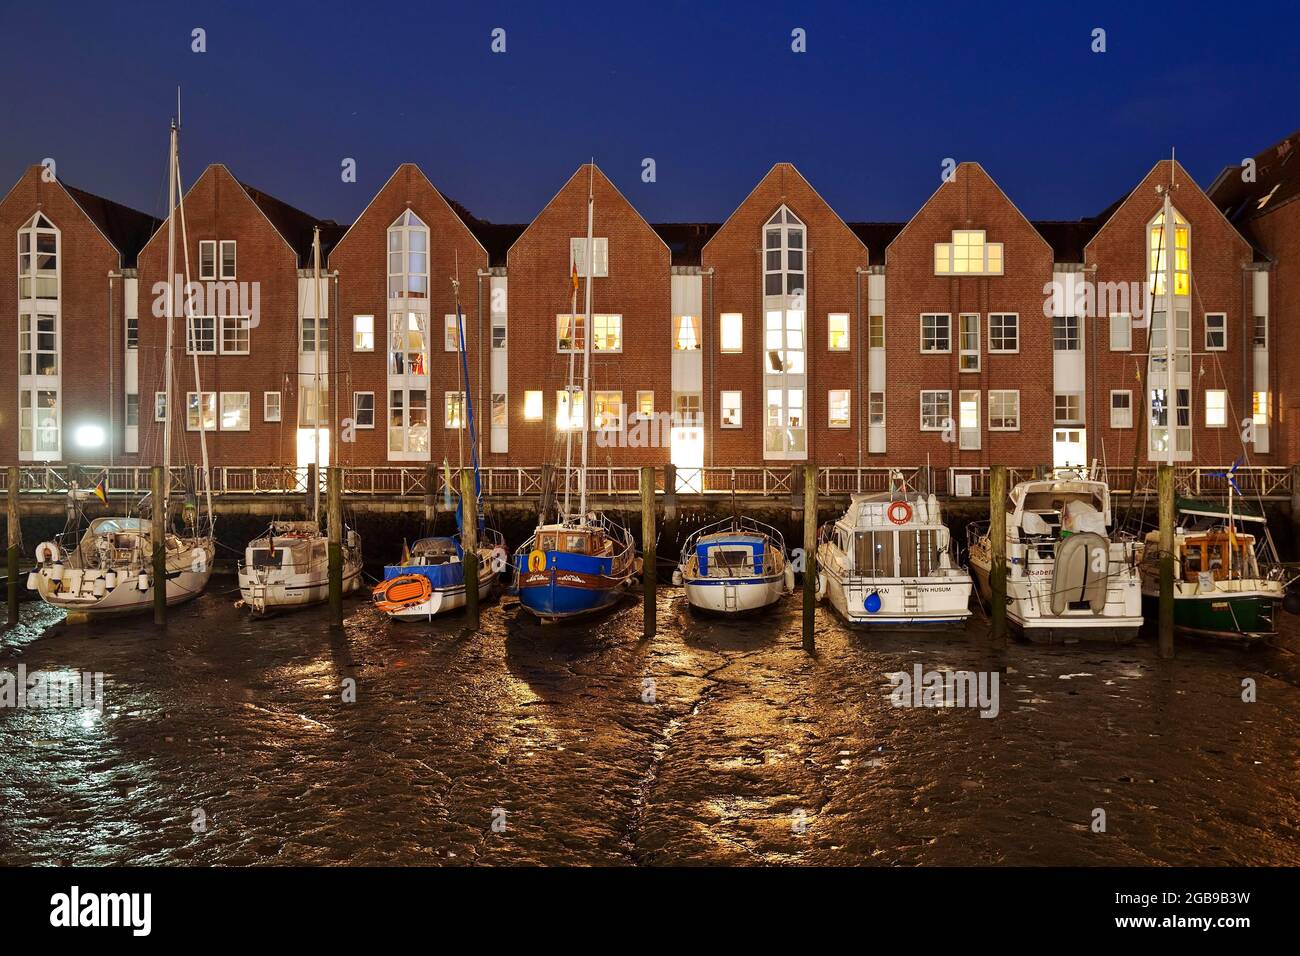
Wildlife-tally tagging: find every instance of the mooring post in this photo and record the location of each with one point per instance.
(15, 542)
(469, 545)
(998, 554)
(334, 507)
(648, 556)
(158, 533)
(548, 492)
(309, 500)
(430, 497)
(809, 557)
(1165, 490)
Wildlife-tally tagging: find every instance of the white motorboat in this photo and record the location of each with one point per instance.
(889, 562)
(734, 565)
(288, 568)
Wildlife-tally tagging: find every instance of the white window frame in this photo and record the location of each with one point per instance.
(1121, 322)
(738, 404)
(1222, 330)
(965, 354)
(203, 405)
(243, 331)
(447, 398)
(874, 322)
(402, 256)
(356, 411)
(450, 333)
(682, 321)
(731, 326)
(500, 325)
(946, 421)
(234, 259)
(1075, 421)
(601, 397)
(267, 414)
(248, 411)
(876, 409)
(315, 324)
(498, 402)
(641, 401)
(195, 323)
(969, 437)
(947, 263)
(947, 317)
(537, 396)
(830, 333)
(576, 344)
(996, 394)
(206, 274)
(564, 399)
(609, 321)
(1072, 328)
(599, 252)
(848, 407)
(1015, 324)
(160, 401)
(688, 419)
(357, 333)
(1121, 424)
(1221, 395)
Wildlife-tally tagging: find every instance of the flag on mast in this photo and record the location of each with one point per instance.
(101, 490)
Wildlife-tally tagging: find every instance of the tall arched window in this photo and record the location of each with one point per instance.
(785, 340)
(408, 339)
(1170, 400)
(39, 322)
(408, 258)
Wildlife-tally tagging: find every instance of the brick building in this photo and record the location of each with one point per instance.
(966, 336)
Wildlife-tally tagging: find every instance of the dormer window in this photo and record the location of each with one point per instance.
(968, 255)
(408, 258)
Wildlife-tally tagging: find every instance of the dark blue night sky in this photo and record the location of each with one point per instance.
(711, 91)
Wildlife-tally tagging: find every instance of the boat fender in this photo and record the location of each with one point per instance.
(110, 579)
(47, 551)
(142, 582)
(56, 572)
(98, 588)
(821, 585)
(677, 576)
(354, 539)
(872, 603)
(500, 561)
(536, 560)
(33, 581)
(789, 579)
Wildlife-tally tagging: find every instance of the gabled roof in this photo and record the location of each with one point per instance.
(125, 228)
(295, 226)
(1277, 180)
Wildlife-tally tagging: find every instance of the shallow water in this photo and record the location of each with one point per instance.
(715, 742)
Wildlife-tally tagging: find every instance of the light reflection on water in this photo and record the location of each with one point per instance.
(747, 751)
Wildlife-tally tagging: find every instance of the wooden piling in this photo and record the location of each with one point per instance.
(648, 550)
(998, 554)
(15, 543)
(158, 533)
(1165, 490)
(309, 501)
(809, 557)
(469, 545)
(430, 498)
(334, 508)
(547, 501)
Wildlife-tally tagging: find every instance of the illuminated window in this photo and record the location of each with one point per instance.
(732, 332)
(968, 415)
(569, 330)
(837, 332)
(207, 421)
(408, 258)
(450, 333)
(968, 254)
(500, 413)
(407, 352)
(730, 404)
(785, 343)
(1004, 410)
(453, 415)
(968, 340)
(783, 254)
(936, 410)
(236, 411)
(686, 332)
(1216, 332)
(532, 406)
(687, 411)
(38, 344)
(837, 408)
(936, 332)
(1259, 407)
(607, 333)
(38, 259)
(1216, 408)
(1159, 251)
(363, 333)
(607, 411)
(876, 332)
(307, 333)
(1121, 408)
(645, 404)
(564, 419)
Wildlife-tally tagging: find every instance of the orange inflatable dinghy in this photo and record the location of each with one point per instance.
(403, 591)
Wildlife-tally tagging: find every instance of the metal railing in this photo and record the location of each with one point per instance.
(1268, 482)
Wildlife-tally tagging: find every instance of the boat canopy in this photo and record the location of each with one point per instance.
(446, 549)
(1040, 505)
(872, 512)
(727, 555)
(120, 526)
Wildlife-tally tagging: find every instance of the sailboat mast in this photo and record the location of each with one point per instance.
(568, 426)
(170, 314)
(315, 418)
(586, 340)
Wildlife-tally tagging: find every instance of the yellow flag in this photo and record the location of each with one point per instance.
(101, 491)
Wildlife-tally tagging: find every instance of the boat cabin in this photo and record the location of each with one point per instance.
(591, 541)
(1213, 552)
(120, 540)
(1048, 508)
(893, 537)
(730, 555)
(434, 551)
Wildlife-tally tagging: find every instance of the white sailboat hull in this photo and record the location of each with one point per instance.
(734, 595)
(269, 593)
(445, 599)
(75, 593)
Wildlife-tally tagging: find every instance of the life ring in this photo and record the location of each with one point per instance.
(536, 560)
(900, 512)
(47, 551)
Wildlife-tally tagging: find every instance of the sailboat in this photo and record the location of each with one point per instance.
(1228, 582)
(430, 577)
(734, 565)
(108, 570)
(582, 563)
(287, 566)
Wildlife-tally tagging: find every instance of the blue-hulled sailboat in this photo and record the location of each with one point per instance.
(584, 562)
